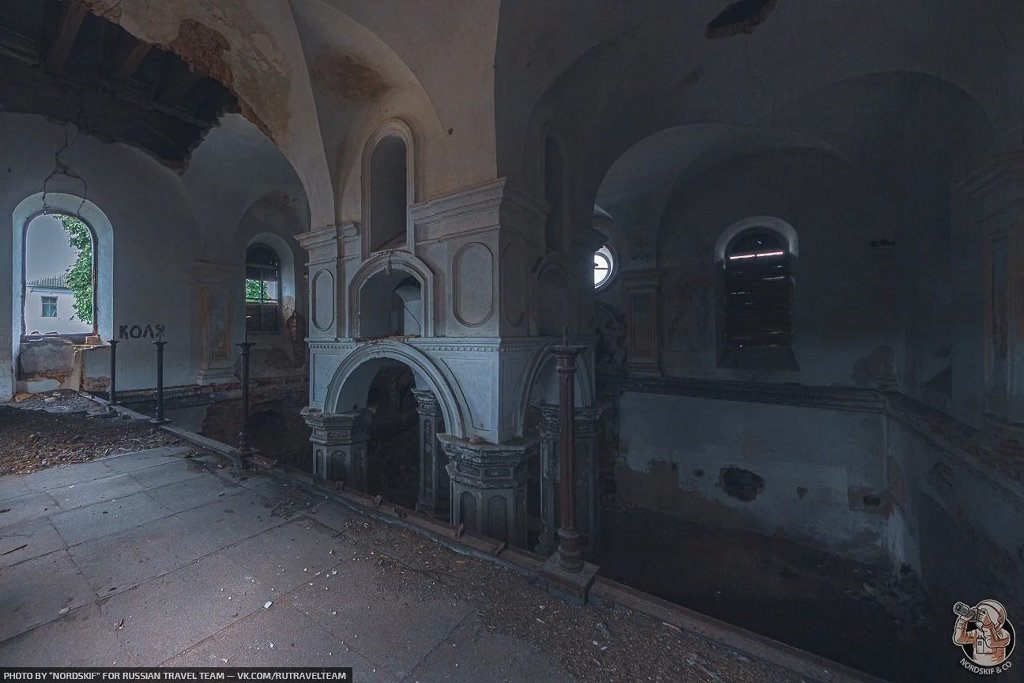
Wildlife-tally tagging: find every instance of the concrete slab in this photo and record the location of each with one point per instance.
(147, 458)
(12, 486)
(68, 474)
(28, 540)
(289, 555)
(107, 517)
(35, 591)
(279, 636)
(228, 520)
(167, 615)
(472, 653)
(89, 492)
(26, 508)
(80, 638)
(193, 492)
(396, 633)
(120, 561)
(164, 473)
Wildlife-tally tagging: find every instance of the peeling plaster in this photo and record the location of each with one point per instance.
(344, 75)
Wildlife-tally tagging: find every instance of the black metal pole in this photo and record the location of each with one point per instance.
(160, 419)
(113, 370)
(243, 435)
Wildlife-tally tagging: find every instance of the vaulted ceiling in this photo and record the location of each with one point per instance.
(61, 61)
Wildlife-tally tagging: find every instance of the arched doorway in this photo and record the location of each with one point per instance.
(378, 432)
(393, 450)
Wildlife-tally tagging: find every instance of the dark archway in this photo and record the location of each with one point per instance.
(393, 449)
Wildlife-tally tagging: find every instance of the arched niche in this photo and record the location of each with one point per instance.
(103, 248)
(388, 188)
(389, 292)
(349, 388)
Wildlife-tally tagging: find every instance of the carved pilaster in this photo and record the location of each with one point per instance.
(488, 486)
(434, 484)
(641, 288)
(219, 287)
(997, 196)
(549, 477)
(326, 271)
(339, 446)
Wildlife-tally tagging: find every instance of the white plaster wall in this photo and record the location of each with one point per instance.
(830, 453)
(843, 310)
(155, 238)
(65, 323)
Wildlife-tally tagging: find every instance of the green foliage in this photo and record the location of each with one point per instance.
(79, 274)
(256, 290)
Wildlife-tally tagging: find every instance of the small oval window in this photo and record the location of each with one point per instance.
(604, 267)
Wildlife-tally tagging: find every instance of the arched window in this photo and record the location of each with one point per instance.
(758, 291)
(262, 289)
(60, 276)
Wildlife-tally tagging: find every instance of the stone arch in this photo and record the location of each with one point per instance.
(387, 261)
(542, 368)
(392, 128)
(350, 384)
(103, 247)
(777, 225)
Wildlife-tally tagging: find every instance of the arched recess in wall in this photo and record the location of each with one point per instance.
(388, 188)
(553, 303)
(350, 385)
(103, 245)
(382, 277)
(541, 384)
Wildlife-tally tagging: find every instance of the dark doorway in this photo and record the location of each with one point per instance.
(393, 450)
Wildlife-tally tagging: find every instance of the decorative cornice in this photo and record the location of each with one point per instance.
(855, 400)
(320, 237)
(992, 173)
(492, 196)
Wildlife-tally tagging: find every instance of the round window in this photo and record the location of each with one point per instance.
(604, 267)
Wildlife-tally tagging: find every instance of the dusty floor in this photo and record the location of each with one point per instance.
(840, 609)
(154, 558)
(61, 427)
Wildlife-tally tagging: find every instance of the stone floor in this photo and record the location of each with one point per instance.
(154, 558)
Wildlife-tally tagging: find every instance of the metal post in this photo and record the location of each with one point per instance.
(159, 419)
(113, 370)
(569, 558)
(243, 436)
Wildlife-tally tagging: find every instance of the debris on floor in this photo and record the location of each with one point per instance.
(62, 427)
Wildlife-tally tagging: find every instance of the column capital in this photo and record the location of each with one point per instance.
(487, 465)
(335, 428)
(426, 403)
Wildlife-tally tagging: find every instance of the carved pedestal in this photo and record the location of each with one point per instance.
(434, 484)
(488, 486)
(339, 447)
